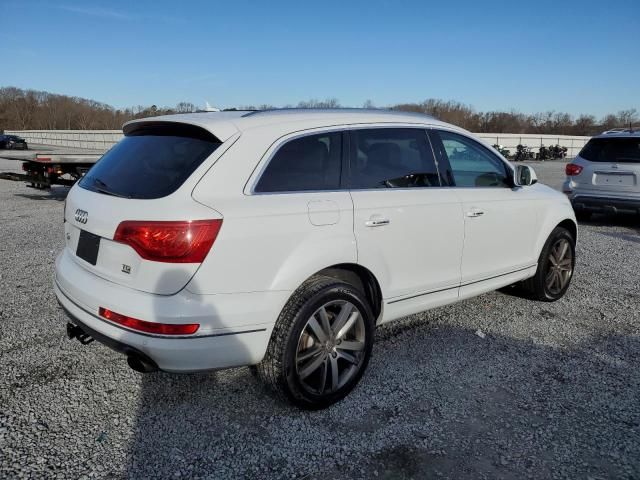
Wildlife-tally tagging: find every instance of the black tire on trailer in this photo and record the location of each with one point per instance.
(321, 343)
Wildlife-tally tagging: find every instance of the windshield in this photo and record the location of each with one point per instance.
(613, 149)
(151, 162)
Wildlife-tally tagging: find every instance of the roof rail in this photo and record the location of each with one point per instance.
(225, 110)
(629, 129)
(334, 110)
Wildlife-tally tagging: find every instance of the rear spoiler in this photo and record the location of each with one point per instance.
(220, 130)
(174, 129)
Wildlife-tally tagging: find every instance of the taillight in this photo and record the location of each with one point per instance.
(572, 169)
(149, 327)
(171, 242)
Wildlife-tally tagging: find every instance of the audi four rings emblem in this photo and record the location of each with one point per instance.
(81, 216)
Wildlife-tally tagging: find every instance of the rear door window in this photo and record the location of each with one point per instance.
(614, 150)
(392, 158)
(309, 163)
(152, 161)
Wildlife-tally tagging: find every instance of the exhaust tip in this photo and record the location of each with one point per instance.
(140, 364)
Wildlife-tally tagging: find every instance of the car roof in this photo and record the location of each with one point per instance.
(226, 123)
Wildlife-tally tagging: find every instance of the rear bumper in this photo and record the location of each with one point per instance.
(116, 345)
(235, 328)
(179, 354)
(595, 204)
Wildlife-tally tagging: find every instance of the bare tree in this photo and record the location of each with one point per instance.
(314, 103)
(31, 109)
(585, 125)
(185, 107)
(627, 117)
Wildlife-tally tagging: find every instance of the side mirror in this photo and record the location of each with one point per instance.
(524, 176)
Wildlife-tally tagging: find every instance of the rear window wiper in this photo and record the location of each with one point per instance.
(102, 187)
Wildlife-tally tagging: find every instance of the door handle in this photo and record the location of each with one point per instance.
(475, 212)
(379, 222)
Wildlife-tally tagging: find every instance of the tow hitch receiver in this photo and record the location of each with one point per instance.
(73, 331)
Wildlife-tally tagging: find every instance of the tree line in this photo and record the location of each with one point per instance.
(37, 110)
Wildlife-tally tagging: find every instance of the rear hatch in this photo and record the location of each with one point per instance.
(131, 219)
(613, 165)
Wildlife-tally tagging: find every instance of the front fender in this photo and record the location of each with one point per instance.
(554, 210)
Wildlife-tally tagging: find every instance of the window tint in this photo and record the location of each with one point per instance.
(392, 157)
(150, 162)
(308, 163)
(472, 164)
(618, 150)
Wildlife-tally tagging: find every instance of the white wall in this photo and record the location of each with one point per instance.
(104, 139)
(511, 140)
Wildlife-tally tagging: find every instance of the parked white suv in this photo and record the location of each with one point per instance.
(281, 239)
(605, 176)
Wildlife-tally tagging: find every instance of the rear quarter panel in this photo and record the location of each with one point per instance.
(267, 241)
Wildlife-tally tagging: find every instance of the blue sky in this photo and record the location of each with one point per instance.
(575, 56)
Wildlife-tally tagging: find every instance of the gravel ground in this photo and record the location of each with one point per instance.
(551, 391)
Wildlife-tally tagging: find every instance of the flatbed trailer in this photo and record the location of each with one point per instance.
(42, 170)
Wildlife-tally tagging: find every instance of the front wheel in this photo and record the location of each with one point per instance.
(321, 343)
(555, 267)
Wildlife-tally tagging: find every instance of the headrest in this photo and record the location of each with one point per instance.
(307, 154)
(384, 154)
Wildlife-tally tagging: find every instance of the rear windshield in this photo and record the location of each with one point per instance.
(152, 161)
(617, 150)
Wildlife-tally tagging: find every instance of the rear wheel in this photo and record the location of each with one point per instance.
(321, 344)
(555, 267)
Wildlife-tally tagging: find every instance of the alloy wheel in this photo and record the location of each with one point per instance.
(331, 347)
(559, 266)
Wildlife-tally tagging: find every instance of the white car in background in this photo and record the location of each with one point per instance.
(281, 239)
(605, 176)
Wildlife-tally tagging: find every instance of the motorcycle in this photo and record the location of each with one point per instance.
(503, 151)
(544, 153)
(558, 152)
(523, 153)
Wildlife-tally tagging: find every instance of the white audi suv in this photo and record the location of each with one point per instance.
(281, 240)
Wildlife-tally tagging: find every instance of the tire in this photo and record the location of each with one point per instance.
(300, 364)
(539, 286)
